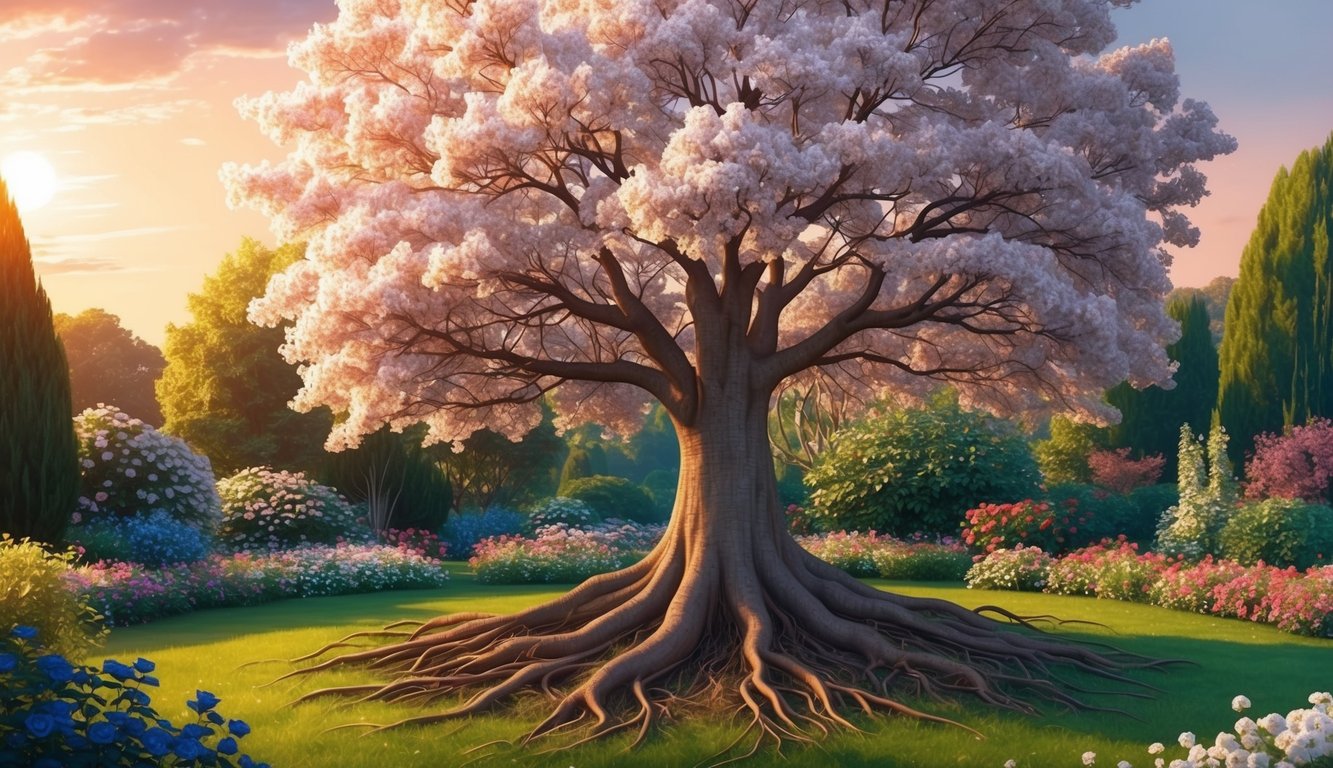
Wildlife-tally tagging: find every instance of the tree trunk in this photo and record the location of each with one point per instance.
(727, 603)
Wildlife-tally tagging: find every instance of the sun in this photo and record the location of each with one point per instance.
(31, 179)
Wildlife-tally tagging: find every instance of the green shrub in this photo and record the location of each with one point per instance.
(923, 562)
(129, 467)
(1095, 514)
(1280, 532)
(33, 593)
(563, 510)
(1022, 569)
(613, 497)
(920, 469)
(660, 484)
(1150, 503)
(400, 484)
(264, 510)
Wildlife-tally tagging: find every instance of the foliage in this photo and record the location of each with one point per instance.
(109, 365)
(38, 454)
(804, 420)
(613, 497)
(1215, 296)
(991, 527)
(923, 561)
(492, 470)
(1192, 587)
(265, 510)
(660, 485)
(54, 713)
(1150, 418)
(127, 594)
(1279, 532)
(226, 388)
(1117, 472)
(153, 540)
(128, 467)
(32, 592)
(1022, 568)
(1062, 457)
(920, 469)
(654, 447)
(415, 541)
(561, 553)
(852, 551)
(398, 481)
(1150, 504)
(1111, 570)
(562, 510)
(1275, 366)
(1098, 514)
(1295, 465)
(463, 530)
(1207, 497)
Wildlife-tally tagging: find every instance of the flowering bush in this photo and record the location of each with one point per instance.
(462, 531)
(415, 541)
(800, 522)
(923, 561)
(562, 510)
(1113, 570)
(1279, 532)
(265, 510)
(1191, 587)
(1116, 471)
(1207, 497)
(1099, 514)
(1022, 568)
(1302, 737)
(990, 527)
(1296, 465)
(54, 713)
(128, 466)
(614, 497)
(129, 594)
(154, 540)
(33, 593)
(560, 553)
(853, 552)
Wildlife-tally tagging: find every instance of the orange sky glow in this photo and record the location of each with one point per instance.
(130, 101)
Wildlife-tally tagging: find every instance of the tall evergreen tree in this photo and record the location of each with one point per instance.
(1277, 348)
(39, 461)
(1151, 418)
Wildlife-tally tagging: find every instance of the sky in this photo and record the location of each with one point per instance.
(132, 104)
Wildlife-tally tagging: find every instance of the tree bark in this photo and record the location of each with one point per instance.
(727, 606)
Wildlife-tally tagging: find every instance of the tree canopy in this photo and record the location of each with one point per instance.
(109, 364)
(695, 201)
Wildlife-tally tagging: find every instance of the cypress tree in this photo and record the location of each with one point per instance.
(39, 461)
(1151, 418)
(1277, 347)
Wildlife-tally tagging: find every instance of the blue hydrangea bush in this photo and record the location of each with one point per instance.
(127, 466)
(55, 714)
(154, 540)
(462, 531)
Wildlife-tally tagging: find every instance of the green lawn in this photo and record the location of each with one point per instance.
(207, 650)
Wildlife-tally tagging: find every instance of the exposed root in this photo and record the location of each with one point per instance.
(793, 644)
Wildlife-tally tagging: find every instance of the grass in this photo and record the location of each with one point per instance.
(208, 650)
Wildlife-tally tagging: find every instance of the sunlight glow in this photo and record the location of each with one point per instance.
(31, 179)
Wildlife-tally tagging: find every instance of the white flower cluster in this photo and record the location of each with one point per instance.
(268, 510)
(128, 467)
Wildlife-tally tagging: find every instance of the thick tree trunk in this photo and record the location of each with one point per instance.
(727, 603)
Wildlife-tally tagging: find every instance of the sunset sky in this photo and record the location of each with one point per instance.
(130, 101)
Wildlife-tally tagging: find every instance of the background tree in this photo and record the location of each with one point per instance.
(109, 364)
(490, 469)
(398, 481)
(700, 200)
(1276, 366)
(225, 387)
(1062, 456)
(1151, 417)
(39, 462)
(1215, 296)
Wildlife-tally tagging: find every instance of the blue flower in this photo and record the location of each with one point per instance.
(156, 741)
(136, 697)
(15, 740)
(238, 727)
(204, 701)
(149, 680)
(118, 719)
(40, 725)
(227, 746)
(24, 632)
(118, 670)
(144, 665)
(195, 731)
(189, 749)
(56, 667)
(101, 733)
(60, 709)
(8, 662)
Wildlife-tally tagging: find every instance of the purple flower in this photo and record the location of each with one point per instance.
(40, 725)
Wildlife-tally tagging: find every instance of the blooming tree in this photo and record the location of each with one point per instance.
(699, 200)
(1294, 465)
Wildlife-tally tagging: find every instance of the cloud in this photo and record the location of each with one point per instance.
(46, 267)
(193, 141)
(117, 41)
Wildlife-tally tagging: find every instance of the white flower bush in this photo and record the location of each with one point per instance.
(562, 510)
(128, 467)
(266, 510)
